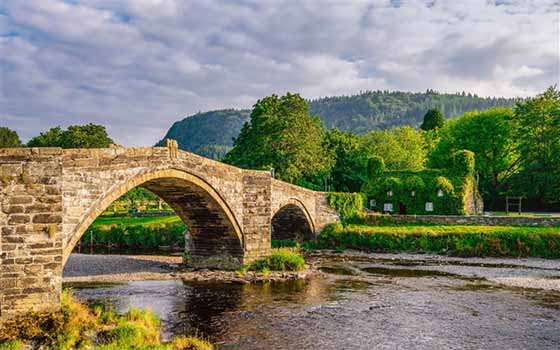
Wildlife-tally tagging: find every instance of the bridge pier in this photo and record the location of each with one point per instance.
(50, 196)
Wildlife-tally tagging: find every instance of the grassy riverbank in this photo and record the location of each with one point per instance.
(77, 326)
(136, 232)
(457, 240)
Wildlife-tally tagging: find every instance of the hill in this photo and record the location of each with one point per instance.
(211, 133)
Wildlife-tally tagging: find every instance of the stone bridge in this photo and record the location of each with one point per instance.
(50, 196)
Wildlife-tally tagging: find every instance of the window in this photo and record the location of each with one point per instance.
(389, 193)
(372, 203)
(388, 207)
(440, 193)
(429, 206)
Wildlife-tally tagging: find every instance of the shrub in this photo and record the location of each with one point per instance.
(283, 259)
(347, 205)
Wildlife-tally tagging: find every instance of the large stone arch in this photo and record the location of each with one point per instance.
(209, 219)
(292, 221)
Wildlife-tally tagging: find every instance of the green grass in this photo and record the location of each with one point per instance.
(282, 259)
(458, 240)
(107, 222)
(76, 326)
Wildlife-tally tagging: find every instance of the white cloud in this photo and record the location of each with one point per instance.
(138, 65)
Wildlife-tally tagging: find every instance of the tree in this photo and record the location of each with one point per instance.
(76, 136)
(282, 135)
(50, 138)
(433, 119)
(489, 135)
(400, 148)
(9, 138)
(537, 129)
(347, 173)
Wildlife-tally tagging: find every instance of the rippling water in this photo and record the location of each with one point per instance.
(352, 306)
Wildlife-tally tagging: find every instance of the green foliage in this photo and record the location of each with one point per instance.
(9, 138)
(463, 163)
(282, 135)
(76, 326)
(211, 133)
(400, 148)
(76, 136)
(489, 135)
(456, 240)
(12, 345)
(375, 166)
(346, 173)
(284, 243)
(537, 130)
(414, 189)
(283, 259)
(433, 120)
(347, 205)
(142, 232)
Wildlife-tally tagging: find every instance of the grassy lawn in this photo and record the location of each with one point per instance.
(142, 232)
(106, 221)
(451, 229)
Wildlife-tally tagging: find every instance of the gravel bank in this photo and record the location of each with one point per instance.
(523, 273)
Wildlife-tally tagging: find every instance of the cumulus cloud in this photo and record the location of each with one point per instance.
(138, 65)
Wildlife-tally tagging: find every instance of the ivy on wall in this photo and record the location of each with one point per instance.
(431, 191)
(347, 205)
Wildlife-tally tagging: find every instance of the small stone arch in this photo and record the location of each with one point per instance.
(292, 221)
(206, 214)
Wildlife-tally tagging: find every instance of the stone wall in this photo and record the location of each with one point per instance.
(50, 196)
(30, 229)
(376, 219)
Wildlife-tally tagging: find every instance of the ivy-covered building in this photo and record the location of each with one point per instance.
(428, 192)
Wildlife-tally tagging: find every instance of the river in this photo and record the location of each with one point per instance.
(357, 304)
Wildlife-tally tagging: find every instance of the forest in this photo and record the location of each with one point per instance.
(211, 134)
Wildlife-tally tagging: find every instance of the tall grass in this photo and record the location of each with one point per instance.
(76, 326)
(282, 259)
(503, 241)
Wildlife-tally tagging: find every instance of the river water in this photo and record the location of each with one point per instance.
(351, 305)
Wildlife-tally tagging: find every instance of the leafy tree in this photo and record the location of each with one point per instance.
(9, 138)
(348, 170)
(489, 135)
(433, 119)
(400, 148)
(537, 129)
(49, 138)
(76, 136)
(282, 135)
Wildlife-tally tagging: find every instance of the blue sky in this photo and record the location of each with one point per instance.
(136, 66)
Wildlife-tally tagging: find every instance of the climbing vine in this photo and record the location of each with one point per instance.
(347, 205)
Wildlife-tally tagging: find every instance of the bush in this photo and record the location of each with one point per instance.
(283, 259)
(347, 205)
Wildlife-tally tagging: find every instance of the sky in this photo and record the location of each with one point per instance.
(136, 66)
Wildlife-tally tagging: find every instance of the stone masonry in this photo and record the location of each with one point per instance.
(50, 196)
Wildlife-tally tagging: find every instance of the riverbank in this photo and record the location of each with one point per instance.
(85, 268)
(523, 273)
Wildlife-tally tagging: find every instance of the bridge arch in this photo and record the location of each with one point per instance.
(292, 221)
(210, 221)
